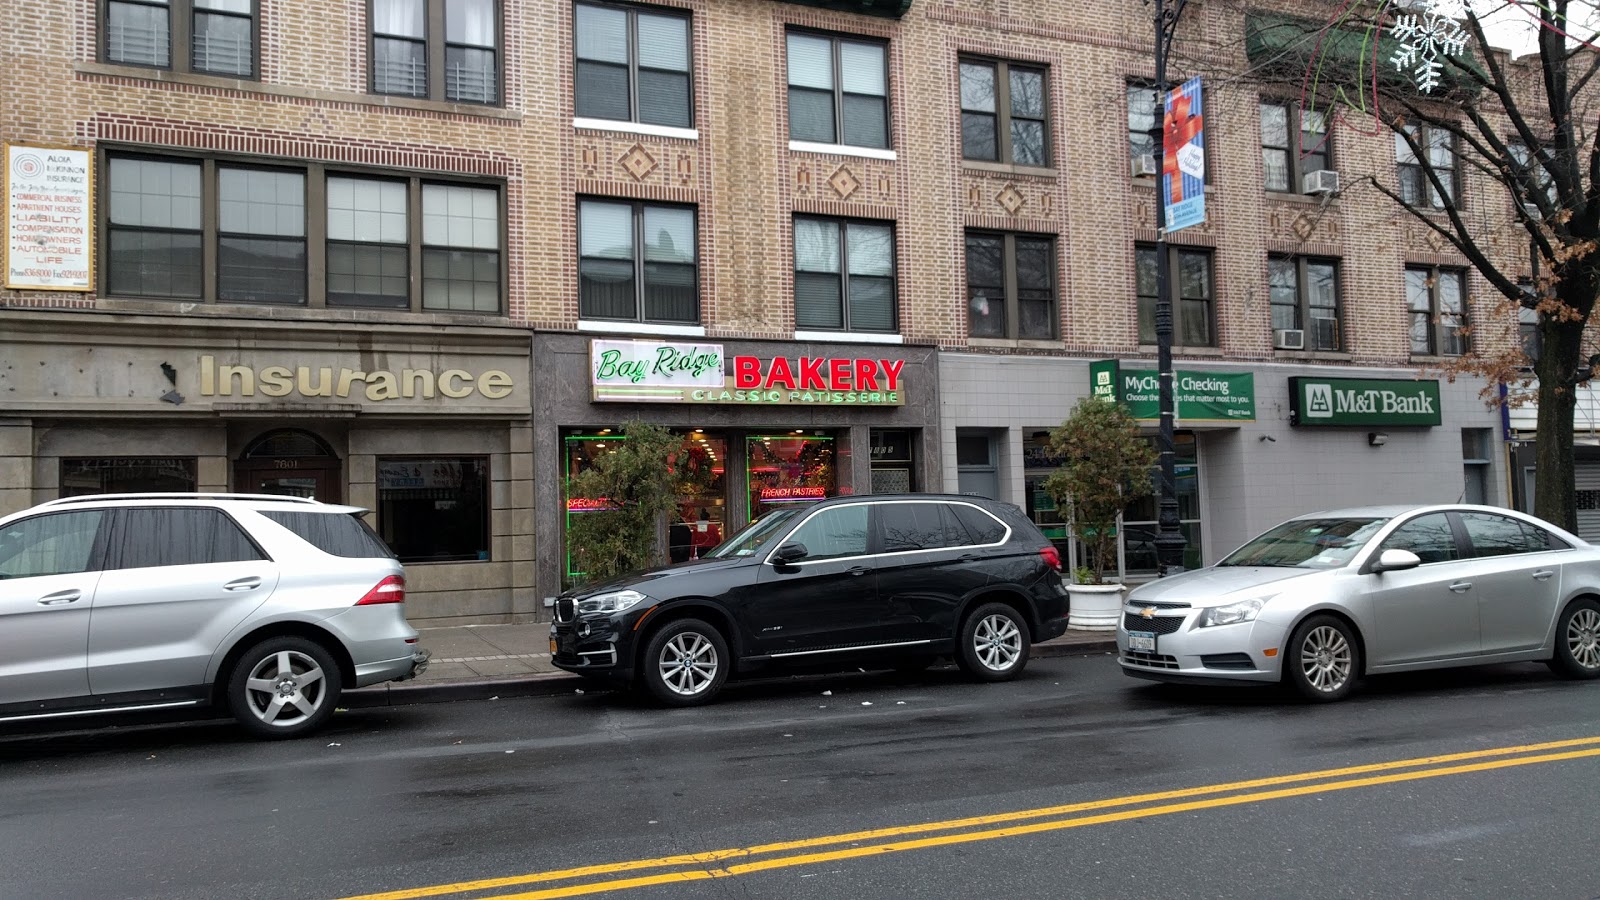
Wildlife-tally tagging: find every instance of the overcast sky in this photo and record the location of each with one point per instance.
(1514, 26)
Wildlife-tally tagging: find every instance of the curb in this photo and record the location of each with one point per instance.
(554, 684)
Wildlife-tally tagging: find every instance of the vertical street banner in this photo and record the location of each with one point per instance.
(49, 218)
(1183, 165)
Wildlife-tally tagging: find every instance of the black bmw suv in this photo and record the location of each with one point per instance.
(886, 580)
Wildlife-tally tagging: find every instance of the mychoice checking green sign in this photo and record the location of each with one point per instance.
(1364, 401)
(1196, 396)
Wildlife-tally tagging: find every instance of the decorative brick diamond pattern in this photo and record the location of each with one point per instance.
(1010, 199)
(638, 162)
(844, 182)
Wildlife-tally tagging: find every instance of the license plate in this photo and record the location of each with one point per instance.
(1142, 640)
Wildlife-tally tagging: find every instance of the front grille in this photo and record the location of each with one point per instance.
(566, 609)
(1161, 604)
(1154, 625)
(1228, 661)
(1150, 660)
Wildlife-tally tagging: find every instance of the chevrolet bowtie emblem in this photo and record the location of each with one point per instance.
(1149, 612)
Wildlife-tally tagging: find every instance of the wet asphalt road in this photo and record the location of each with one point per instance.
(443, 794)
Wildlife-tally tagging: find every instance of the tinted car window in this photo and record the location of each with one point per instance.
(840, 531)
(55, 544)
(955, 533)
(1429, 537)
(1494, 535)
(912, 526)
(984, 528)
(333, 533)
(159, 536)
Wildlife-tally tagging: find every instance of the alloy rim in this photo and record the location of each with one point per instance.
(1583, 638)
(285, 689)
(1325, 659)
(688, 663)
(998, 642)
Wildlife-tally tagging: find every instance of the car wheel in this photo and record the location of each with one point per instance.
(994, 643)
(1578, 640)
(685, 663)
(1323, 661)
(284, 687)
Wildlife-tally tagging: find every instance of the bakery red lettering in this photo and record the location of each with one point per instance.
(811, 374)
(839, 374)
(780, 375)
(866, 375)
(746, 372)
(891, 370)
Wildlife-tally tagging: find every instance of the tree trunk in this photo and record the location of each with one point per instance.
(1553, 498)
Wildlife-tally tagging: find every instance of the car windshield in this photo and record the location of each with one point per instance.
(752, 537)
(1308, 543)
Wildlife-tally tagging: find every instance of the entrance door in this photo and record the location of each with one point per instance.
(292, 463)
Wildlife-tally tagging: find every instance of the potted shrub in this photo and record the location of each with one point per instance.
(1106, 466)
(629, 489)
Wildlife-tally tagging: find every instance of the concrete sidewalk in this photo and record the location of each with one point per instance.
(476, 662)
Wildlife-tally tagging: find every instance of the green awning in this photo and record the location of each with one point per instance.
(889, 9)
(1343, 57)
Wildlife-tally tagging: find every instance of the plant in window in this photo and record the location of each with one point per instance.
(632, 488)
(1105, 468)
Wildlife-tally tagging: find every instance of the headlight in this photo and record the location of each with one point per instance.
(614, 602)
(1233, 613)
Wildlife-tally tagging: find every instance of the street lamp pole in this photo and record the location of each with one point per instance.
(1169, 538)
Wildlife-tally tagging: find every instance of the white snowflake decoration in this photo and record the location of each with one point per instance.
(1423, 40)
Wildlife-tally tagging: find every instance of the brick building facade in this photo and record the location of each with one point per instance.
(480, 187)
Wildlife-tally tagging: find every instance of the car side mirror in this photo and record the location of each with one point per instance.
(1395, 560)
(794, 551)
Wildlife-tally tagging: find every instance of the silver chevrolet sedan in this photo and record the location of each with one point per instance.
(1326, 598)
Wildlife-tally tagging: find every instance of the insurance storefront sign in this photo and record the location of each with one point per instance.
(1317, 401)
(676, 372)
(1197, 396)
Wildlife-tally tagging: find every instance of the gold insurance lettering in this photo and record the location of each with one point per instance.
(377, 386)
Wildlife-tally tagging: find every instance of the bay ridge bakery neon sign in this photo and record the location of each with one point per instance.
(623, 371)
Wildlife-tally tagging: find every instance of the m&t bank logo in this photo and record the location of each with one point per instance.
(1319, 401)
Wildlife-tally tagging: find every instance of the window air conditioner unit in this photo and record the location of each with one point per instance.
(1145, 164)
(1322, 181)
(1289, 339)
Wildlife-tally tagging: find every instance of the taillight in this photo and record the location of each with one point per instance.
(389, 590)
(1052, 556)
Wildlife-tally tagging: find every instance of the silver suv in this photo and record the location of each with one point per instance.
(266, 606)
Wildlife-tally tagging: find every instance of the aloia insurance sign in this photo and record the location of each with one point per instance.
(670, 372)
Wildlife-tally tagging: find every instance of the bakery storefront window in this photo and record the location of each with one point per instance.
(1039, 462)
(127, 475)
(782, 469)
(434, 509)
(699, 521)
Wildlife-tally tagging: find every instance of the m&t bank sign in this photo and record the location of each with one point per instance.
(1364, 401)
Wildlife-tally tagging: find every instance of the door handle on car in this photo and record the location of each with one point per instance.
(858, 570)
(60, 597)
(1543, 575)
(1461, 587)
(243, 584)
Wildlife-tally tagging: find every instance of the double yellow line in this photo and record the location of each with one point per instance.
(728, 863)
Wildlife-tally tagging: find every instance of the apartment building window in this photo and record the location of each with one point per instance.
(1011, 286)
(1415, 188)
(1004, 113)
(637, 262)
(838, 90)
(844, 276)
(632, 65)
(261, 235)
(1437, 301)
(267, 233)
(436, 49)
(1304, 295)
(212, 37)
(1536, 176)
(1192, 295)
(1294, 142)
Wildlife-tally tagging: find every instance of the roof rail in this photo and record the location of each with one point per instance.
(179, 495)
